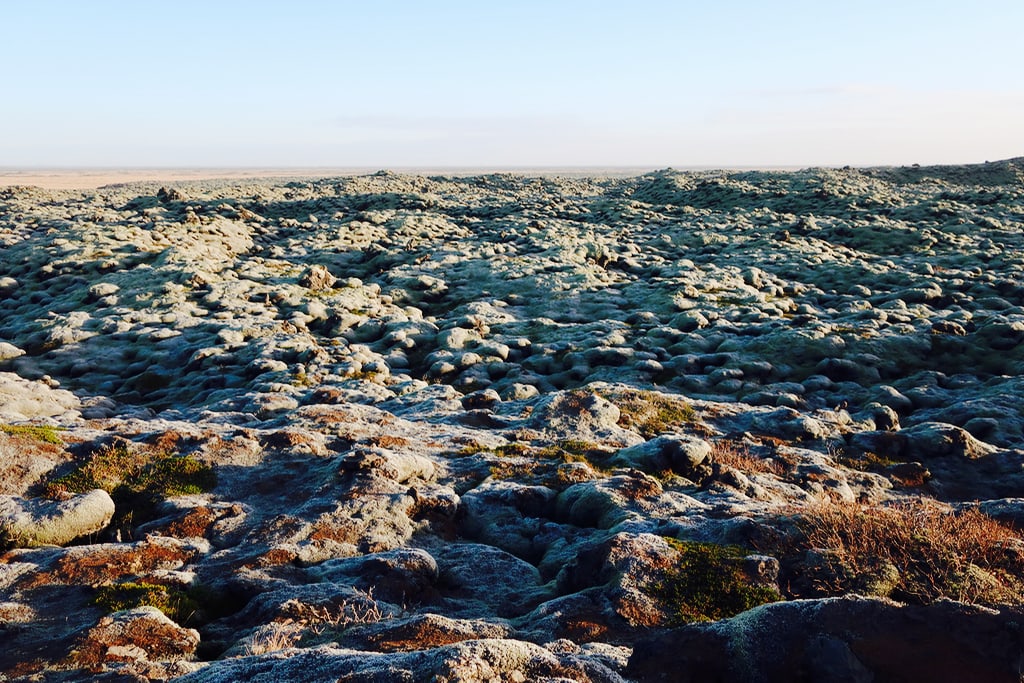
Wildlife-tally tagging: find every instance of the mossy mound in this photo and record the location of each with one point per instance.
(708, 583)
(136, 477)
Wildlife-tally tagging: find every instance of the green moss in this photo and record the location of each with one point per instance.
(136, 477)
(302, 379)
(176, 476)
(651, 413)
(542, 465)
(467, 451)
(176, 603)
(708, 583)
(577, 446)
(575, 450)
(104, 469)
(365, 375)
(117, 466)
(44, 433)
(512, 450)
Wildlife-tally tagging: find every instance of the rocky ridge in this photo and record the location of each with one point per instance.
(483, 428)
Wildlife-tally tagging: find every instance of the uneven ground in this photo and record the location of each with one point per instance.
(680, 426)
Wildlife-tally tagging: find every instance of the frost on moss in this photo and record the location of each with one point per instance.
(651, 413)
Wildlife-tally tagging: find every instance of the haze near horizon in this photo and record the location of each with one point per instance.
(526, 84)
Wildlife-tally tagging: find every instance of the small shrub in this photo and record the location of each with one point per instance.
(708, 584)
(739, 456)
(362, 608)
(272, 638)
(938, 553)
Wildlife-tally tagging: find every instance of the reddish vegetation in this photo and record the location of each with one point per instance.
(584, 630)
(934, 552)
(739, 456)
(273, 557)
(169, 441)
(100, 564)
(425, 632)
(118, 639)
(388, 441)
(196, 523)
(908, 474)
(639, 485)
(328, 528)
(288, 438)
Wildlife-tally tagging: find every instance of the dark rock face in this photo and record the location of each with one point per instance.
(842, 639)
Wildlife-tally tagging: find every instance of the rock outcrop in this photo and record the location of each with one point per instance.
(680, 426)
(839, 639)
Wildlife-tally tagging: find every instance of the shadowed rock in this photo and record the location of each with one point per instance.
(842, 639)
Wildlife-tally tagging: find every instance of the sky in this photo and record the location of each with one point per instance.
(515, 84)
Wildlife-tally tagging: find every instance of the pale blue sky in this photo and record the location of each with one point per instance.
(511, 84)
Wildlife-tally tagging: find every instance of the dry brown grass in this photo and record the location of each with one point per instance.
(272, 638)
(307, 625)
(363, 609)
(739, 456)
(389, 441)
(937, 552)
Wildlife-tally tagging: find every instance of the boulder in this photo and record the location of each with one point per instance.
(317, 278)
(791, 424)
(480, 579)
(8, 286)
(508, 515)
(679, 453)
(22, 399)
(9, 352)
(938, 439)
(421, 632)
(628, 567)
(137, 635)
(584, 415)
(165, 195)
(399, 576)
(35, 522)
